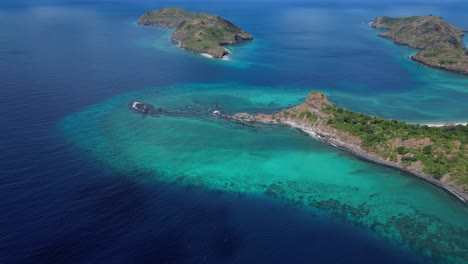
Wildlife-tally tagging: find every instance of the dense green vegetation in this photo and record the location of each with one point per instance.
(440, 42)
(390, 22)
(169, 17)
(197, 32)
(209, 34)
(445, 152)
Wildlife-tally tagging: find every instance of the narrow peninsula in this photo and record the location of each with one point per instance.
(438, 155)
(440, 43)
(197, 32)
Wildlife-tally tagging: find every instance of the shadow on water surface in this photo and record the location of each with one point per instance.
(117, 220)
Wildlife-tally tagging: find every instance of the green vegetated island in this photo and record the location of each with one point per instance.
(440, 43)
(197, 32)
(436, 154)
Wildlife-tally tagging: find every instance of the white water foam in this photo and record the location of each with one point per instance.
(206, 55)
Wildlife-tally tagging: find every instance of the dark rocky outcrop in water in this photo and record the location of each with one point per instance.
(201, 111)
(141, 107)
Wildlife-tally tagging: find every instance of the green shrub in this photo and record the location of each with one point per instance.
(427, 150)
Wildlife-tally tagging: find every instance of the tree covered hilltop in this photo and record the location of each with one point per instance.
(440, 43)
(197, 32)
(436, 154)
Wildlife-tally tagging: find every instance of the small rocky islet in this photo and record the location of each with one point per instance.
(197, 32)
(440, 43)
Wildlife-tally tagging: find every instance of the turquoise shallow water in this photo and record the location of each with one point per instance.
(242, 56)
(190, 147)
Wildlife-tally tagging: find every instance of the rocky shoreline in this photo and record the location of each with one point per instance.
(358, 152)
(424, 61)
(344, 141)
(440, 67)
(440, 44)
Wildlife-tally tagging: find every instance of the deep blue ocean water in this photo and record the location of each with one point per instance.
(58, 205)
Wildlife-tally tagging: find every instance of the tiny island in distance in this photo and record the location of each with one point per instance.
(197, 32)
(440, 43)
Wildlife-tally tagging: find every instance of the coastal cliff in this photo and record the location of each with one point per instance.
(438, 155)
(440, 43)
(197, 32)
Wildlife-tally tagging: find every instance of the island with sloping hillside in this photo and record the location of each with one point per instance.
(197, 32)
(440, 43)
(438, 155)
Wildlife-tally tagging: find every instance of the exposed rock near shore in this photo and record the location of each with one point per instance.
(440, 43)
(410, 153)
(197, 32)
